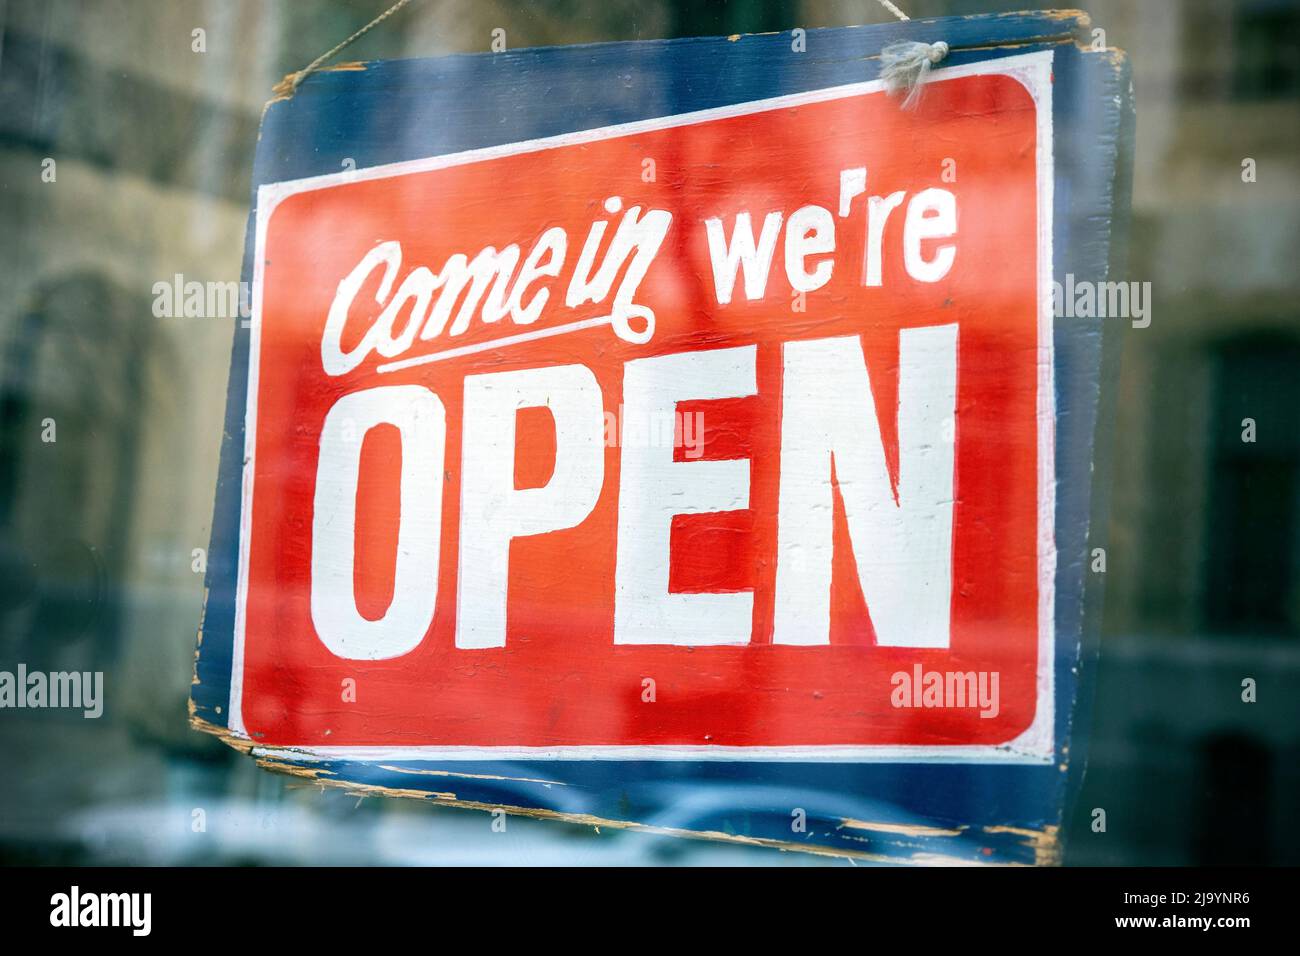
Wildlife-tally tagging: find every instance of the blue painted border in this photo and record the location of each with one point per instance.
(463, 102)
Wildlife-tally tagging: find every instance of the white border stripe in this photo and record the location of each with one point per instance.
(1035, 745)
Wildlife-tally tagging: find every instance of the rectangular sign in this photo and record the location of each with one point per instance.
(721, 434)
(753, 433)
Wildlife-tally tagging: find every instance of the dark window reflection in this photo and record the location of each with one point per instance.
(1255, 488)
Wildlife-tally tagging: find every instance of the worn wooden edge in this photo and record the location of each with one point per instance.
(1112, 339)
(1066, 25)
(1042, 845)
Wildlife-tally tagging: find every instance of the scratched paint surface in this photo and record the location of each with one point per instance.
(875, 810)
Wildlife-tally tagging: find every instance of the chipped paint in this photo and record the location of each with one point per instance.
(585, 819)
(242, 744)
(288, 85)
(1045, 843)
(903, 829)
(471, 776)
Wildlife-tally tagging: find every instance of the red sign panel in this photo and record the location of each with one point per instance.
(726, 434)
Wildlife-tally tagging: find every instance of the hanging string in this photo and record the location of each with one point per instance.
(893, 8)
(289, 85)
(905, 65)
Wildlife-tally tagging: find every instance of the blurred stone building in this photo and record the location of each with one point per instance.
(152, 144)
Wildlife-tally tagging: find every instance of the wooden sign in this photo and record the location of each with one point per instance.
(585, 459)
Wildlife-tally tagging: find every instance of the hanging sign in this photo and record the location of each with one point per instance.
(723, 435)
